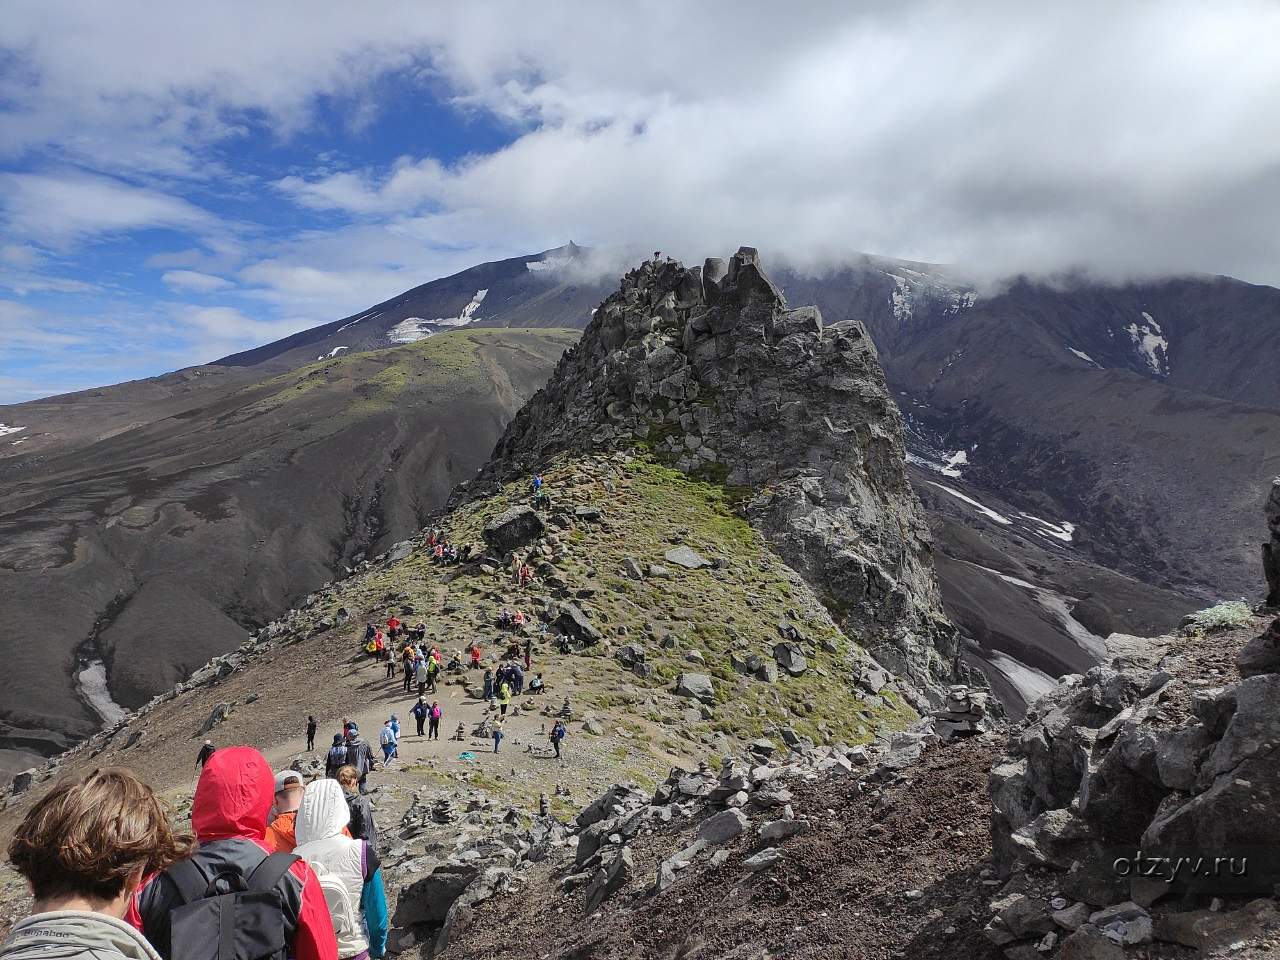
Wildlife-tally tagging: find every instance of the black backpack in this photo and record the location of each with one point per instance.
(229, 917)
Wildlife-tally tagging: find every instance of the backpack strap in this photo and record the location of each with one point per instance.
(189, 879)
(269, 872)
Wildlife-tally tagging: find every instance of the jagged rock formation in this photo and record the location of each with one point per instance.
(712, 371)
(1271, 549)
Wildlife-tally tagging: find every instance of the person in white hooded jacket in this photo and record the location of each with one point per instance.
(336, 858)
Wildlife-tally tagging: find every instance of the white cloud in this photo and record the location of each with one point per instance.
(194, 280)
(63, 208)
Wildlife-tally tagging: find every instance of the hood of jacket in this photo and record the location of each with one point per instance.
(233, 796)
(323, 812)
(72, 933)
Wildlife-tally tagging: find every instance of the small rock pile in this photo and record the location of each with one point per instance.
(964, 712)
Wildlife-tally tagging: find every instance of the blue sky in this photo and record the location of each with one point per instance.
(179, 181)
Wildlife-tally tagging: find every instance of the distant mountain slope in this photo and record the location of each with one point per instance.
(151, 525)
(548, 289)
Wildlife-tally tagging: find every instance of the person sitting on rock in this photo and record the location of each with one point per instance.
(504, 618)
(536, 686)
(518, 620)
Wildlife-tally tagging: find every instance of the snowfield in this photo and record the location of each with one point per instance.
(982, 509)
(410, 330)
(1151, 344)
(468, 312)
(5, 429)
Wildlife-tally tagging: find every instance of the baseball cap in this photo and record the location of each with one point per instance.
(285, 777)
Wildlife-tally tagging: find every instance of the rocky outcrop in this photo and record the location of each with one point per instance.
(712, 371)
(1271, 549)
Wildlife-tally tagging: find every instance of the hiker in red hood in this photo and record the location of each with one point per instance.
(229, 815)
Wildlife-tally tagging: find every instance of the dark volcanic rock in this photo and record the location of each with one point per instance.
(1271, 549)
(1261, 654)
(517, 527)
(723, 379)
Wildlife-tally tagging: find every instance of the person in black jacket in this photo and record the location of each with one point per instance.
(311, 732)
(361, 826)
(337, 757)
(359, 754)
(205, 753)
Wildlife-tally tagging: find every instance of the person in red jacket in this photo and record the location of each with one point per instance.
(229, 816)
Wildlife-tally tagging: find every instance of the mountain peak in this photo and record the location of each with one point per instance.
(712, 372)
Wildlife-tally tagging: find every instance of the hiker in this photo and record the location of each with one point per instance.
(504, 698)
(434, 715)
(349, 871)
(393, 622)
(205, 753)
(391, 663)
(528, 653)
(433, 668)
(516, 676)
(395, 728)
(536, 686)
(369, 631)
(359, 754)
(229, 814)
(406, 662)
(371, 645)
(518, 620)
(488, 684)
(504, 618)
(387, 740)
(336, 757)
(311, 732)
(474, 652)
(526, 575)
(557, 734)
(83, 848)
(361, 825)
(288, 795)
(537, 484)
(422, 676)
(497, 737)
(420, 711)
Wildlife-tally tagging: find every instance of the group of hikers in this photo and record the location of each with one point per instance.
(277, 869)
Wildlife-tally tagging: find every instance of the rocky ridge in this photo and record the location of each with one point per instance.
(712, 371)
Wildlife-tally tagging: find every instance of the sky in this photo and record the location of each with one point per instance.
(181, 181)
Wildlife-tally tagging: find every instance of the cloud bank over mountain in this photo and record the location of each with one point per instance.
(281, 165)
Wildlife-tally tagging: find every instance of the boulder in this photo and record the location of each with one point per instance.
(1207, 930)
(790, 658)
(216, 716)
(698, 686)
(573, 623)
(782, 829)
(1262, 653)
(1125, 923)
(1271, 550)
(22, 781)
(766, 858)
(686, 557)
(723, 826)
(610, 880)
(1089, 943)
(400, 551)
(428, 900)
(513, 529)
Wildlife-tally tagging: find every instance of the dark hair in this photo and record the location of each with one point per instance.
(88, 837)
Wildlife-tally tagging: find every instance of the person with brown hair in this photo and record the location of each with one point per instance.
(84, 849)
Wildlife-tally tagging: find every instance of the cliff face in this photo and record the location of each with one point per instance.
(712, 371)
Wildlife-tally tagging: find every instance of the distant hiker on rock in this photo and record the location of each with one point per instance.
(311, 732)
(504, 618)
(536, 686)
(393, 622)
(528, 653)
(474, 653)
(519, 620)
(288, 795)
(83, 848)
(557, 735)
(336, 757)
(359, 754)
(525, 575)
(387, 740)
(349, 870)
(361, 825)
(488, 684)
(205, 753)
(434, 714)
(420, 711)
(229, 814)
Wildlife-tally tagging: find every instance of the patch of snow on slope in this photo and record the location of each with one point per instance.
(900, 297)
(16, 442)
(1085, 357)
(5, 430)
(550, 263)
(954, 462)
(410, 330)
(1059, 531)
(984, 510)
(1151, 343)
(1030, 683)
(331, 354)
(468, 312)
(961, 300)
(358, 319)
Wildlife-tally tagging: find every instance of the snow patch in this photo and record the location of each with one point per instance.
(410, 330)
(550, 263)
(1063, 531)
(369, 316)
(900, 298)
(984, 510)
(16, 442)
(954, 462)
(1151, 343)
(1030, 683)
(331, 354)
(1085, 357)
(467, 314)
(92, 681)
(5, 429)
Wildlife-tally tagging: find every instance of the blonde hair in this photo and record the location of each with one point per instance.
(89, 837)
(347, 774)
